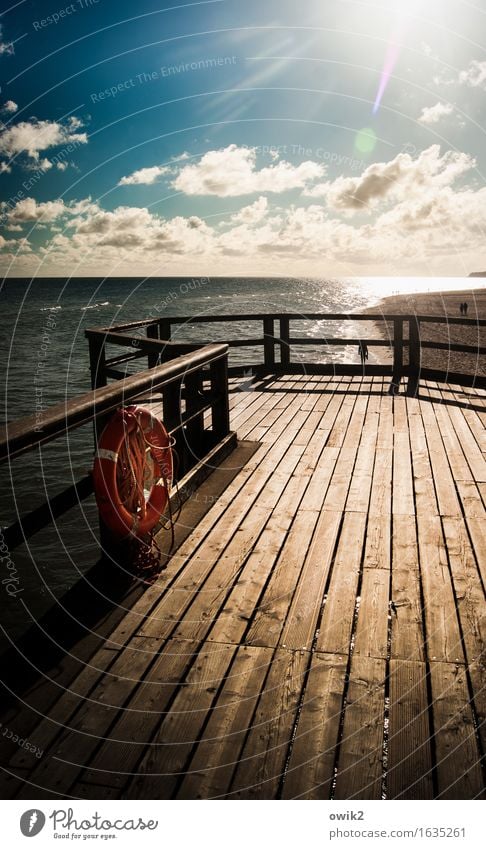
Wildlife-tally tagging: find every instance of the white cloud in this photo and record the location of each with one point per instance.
(399, 179)
(28, 210)
(252, 214)
(421, 216)
(433, 114)
(6, 243)
(6, 47)
(145, 176)
(18, 245)
(475, 75)
(33, 137)
(232, 172)
(62, 166)
(10, 107)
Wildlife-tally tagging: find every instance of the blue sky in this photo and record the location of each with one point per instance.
(255, 137)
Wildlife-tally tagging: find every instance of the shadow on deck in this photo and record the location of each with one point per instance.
(319, 632)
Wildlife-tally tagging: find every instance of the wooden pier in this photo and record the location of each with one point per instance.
(318, 632)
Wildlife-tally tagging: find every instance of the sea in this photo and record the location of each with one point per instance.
(44, 358)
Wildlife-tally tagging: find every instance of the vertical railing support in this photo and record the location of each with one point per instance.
(414, 357)
(269, 344)
(152, 333)
(397, 355)
(97, 360)
(193, 386)
(165, 331)
(284, 341)
(219, 390)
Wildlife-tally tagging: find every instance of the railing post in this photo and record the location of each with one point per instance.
(171, 399)
(414, 357)
(284, 341)
(165, 333)
(97, 360)
(397, 354)
(195, 428)
(219, 390)
(152, 333)
(269, 344)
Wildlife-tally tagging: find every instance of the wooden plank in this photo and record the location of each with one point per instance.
(52, 724)
(372, 623)
(381, 485)
(274, 605)
(325, 467)
(228, 570)
(236, 543)
(378, 536)
(310, 770)
(470, 498)
(458, 758)
(423, 481)
(477, 674)
(360, 765)
(476, 529)
(337, 618)
(262, 764)
(469, 595)
(443, 480)
(409, 767)
(126, 741)
(456, 451)
(62, 763)
(476, 424)
(361, 479)
(167, 757)
(209, 773)
(234, 539)
(300, 626)
(384, 438)
(474, 454)
(318, 486)
(407, 634)
(340, 482)
(442, 626)
(400, 414)
(403, 496)
(237, 610)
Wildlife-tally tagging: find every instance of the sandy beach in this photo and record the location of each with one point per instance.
(445, 304)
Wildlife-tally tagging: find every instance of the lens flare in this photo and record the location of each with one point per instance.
(365, 140)
(391, 58)
(403, 22)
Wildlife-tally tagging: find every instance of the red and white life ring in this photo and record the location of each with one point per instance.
(124, 423)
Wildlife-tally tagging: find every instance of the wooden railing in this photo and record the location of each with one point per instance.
(402, 335)
(190, 386)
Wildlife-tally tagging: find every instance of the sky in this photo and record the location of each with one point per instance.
(255, 137)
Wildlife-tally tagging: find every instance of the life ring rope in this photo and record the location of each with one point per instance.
(134, 456)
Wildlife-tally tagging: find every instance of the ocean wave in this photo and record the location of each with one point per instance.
(96, 306)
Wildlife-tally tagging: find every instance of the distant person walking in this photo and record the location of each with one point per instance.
(465, 307)
(363, 352)
(462, 309)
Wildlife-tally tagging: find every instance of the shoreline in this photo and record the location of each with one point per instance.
(443, 304)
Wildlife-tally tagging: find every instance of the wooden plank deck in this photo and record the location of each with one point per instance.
(319, 633)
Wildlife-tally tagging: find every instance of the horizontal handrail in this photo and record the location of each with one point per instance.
(402, 334)
(29, 432)
(319, 316)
